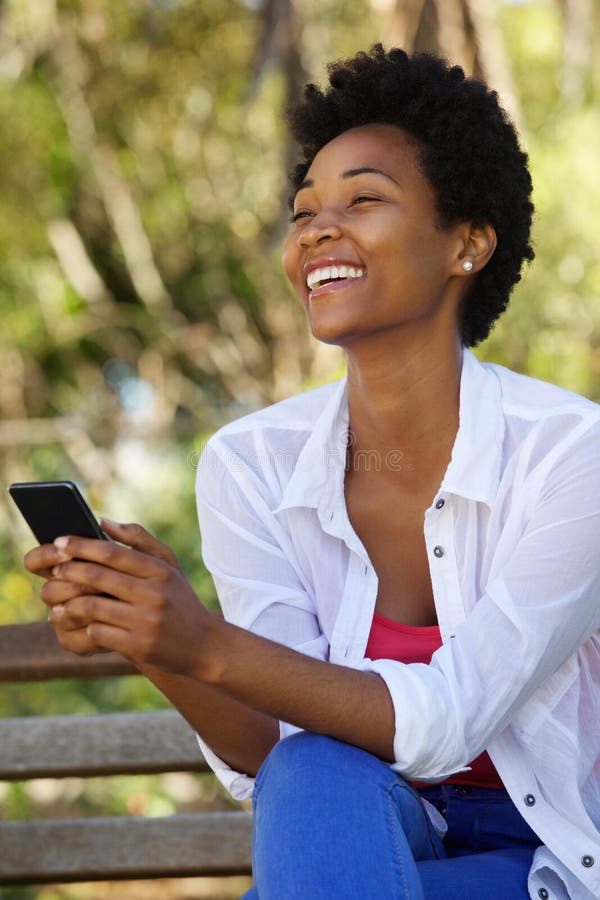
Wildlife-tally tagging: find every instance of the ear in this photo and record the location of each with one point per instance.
(478, 248)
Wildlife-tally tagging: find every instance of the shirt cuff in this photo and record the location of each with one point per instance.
(423, 748)
(239, 785)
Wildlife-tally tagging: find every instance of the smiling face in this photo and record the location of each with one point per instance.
(365, 253)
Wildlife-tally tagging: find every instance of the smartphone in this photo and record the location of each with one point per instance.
(52, 508)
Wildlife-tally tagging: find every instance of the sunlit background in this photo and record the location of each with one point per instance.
(143, 159)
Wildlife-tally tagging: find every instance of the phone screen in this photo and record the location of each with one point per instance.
(53, 508)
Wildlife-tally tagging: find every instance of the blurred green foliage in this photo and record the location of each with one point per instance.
(552, 327)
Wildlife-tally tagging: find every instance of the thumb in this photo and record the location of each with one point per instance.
(135, 536)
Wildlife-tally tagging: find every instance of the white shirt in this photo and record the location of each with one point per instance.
(513, 541)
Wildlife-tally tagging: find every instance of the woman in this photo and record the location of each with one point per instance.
(407, 559)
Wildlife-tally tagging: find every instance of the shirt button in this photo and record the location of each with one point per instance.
(587, 861)
(529, 800)
(543, 893)
(438, 551)
(439, 504)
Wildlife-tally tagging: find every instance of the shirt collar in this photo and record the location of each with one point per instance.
(318, 473)
(474, 468)
(475, 463)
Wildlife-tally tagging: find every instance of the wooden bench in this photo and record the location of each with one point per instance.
(113, 847)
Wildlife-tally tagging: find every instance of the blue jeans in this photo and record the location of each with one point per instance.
(332, 822)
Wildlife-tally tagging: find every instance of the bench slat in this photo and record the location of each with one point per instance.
(113, 848)
(110, 743)
(31, 653)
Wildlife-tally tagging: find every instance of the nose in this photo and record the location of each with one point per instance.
(322, 227)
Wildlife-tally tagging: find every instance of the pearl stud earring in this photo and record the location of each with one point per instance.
(467, 265)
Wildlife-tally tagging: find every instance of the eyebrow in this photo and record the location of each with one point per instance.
(351, 173)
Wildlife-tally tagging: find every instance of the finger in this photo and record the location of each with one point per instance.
(78, 642)
(101, 579)
(40, 560)
(55, 591)
(109, 637)
(81, 611)
(136, 536)
(111, 555)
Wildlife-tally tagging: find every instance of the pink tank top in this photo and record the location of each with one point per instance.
(412, 643)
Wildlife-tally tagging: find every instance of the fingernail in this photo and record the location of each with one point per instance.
(111, 522)
(61, 542)
(57, 611)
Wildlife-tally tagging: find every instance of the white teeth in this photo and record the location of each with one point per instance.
(328, 273)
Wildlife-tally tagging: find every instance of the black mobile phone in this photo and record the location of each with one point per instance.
(52, 508)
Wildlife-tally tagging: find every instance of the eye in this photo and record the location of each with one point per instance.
(363, 198)
(301, 214)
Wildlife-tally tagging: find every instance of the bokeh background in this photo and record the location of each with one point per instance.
(143, 161)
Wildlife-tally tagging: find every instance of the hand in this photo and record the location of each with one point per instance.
(55, 593)
(151, 614)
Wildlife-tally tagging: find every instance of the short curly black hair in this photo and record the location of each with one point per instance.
(467, 148)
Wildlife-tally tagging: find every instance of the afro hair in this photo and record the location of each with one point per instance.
(467, 149)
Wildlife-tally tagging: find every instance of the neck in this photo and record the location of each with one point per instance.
(403, 406)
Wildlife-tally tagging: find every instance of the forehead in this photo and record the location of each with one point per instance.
(379, 146)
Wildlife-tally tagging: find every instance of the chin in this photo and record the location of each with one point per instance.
(331, 332)
(334, 326)
(336, 337)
